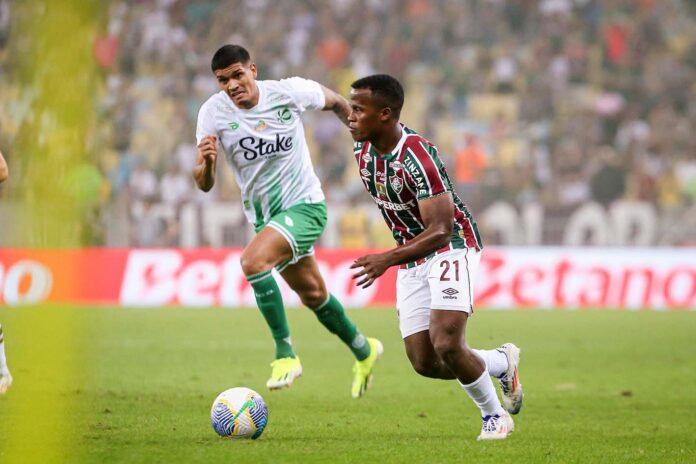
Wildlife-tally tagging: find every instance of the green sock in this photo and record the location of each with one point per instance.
(333, 317)
(270, 302)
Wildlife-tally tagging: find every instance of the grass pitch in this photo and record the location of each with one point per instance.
(131, 386)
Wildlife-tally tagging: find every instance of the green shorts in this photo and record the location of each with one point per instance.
(301, 225)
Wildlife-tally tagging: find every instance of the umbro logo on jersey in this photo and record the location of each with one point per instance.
(365, 172)
(450, 291)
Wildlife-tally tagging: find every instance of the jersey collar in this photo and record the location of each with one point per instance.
(397, 149)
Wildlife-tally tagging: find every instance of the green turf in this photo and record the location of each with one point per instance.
(599, 387)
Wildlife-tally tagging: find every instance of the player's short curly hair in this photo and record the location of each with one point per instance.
(384, 87)
(228, 55)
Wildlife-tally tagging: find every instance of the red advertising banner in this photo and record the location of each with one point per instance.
(621, 278)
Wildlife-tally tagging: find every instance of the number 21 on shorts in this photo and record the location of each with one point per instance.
(448, 266)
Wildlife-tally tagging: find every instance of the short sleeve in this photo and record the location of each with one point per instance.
(306, 94)
(206, 123)
(425, 170)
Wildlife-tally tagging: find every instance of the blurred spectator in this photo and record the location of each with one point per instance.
(175, 187)
(608, 183)
(143, 182)
(548, 84)
(470, 162)
(148, 228)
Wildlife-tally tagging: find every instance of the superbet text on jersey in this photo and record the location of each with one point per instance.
(413, 171)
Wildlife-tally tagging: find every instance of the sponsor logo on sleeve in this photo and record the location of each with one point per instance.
(417, 176)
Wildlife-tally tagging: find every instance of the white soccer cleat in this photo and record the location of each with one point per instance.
(496, 427)
(5, 380)
(510, 385)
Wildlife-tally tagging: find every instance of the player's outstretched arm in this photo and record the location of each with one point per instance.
(336, 103)
(4, 172)
(438, 217)
(204, 170)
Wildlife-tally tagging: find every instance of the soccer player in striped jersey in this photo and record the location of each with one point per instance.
(5, 376)
(438, 251)
(258, 126)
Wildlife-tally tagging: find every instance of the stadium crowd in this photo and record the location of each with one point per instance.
(558, 102)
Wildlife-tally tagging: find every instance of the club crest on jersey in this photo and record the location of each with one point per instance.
(366, 157)
(396, 183)
(284, 115)
(260, 126)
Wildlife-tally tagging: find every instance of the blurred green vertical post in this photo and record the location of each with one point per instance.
(52, 59)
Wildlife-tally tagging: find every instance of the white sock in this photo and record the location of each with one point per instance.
(3, 360)
(482, 392)
(496, 361)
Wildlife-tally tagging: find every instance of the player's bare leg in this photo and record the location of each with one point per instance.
(447, 329)
(306, 280)
(424, 360)
(268, 249)
(5, 376)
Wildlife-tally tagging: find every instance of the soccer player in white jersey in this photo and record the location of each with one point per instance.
(438, 253)
(5, 376)
(257, 124)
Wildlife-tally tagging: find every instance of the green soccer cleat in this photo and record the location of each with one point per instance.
(285, 371)
(362, 370)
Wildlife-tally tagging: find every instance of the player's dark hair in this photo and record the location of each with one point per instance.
(385, 88)
(227, 55)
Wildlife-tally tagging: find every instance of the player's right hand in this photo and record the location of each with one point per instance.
(207, 149)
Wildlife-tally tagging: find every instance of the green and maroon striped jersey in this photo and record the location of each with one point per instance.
(413, 171)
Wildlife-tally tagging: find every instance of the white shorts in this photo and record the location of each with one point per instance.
(445, 281)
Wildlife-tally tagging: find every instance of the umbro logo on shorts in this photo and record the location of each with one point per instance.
(450, 294)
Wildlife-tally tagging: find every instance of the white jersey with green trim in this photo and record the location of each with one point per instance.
(265, 146)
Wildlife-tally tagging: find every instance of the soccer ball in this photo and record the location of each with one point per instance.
(239, 413)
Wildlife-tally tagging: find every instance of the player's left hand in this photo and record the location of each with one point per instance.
(372, 266)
